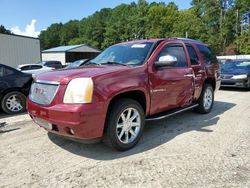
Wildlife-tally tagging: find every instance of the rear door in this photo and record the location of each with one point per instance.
(173, 86)
(199, 70)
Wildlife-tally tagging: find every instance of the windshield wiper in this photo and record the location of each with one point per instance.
(115, 63)
(92, 63)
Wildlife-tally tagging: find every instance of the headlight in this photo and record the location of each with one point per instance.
(244, 76)
(79, 90)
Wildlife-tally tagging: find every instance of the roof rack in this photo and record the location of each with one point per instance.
(180, 38)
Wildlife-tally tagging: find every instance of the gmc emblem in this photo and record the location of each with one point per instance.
(39, 91)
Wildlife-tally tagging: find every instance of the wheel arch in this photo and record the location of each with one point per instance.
(136, 95)
(10, 90)
(211, 81)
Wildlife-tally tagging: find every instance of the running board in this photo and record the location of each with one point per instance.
(171, 113)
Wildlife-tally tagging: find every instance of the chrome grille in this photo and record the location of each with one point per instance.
(226, 76)
(43, 92)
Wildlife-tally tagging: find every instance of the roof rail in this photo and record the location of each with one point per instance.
(189, 39)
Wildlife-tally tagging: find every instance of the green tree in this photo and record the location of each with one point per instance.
(51, 37)
(161, 19)
(243, 43)
(223, 24)
(188, 25)
(4, 30)
(69, 31)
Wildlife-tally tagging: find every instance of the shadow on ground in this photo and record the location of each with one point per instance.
(4, 115)
(155, 134)
(234, 89)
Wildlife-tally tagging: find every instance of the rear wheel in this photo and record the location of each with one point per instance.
(124, 125)
(206, 100)
(13, 102)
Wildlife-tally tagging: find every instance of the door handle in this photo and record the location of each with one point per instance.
(201, 71)
(189, 75)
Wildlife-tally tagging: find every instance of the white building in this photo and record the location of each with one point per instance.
(16, 50)
(68, 54)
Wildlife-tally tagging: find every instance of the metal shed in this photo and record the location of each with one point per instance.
(68, 54)
(16, 50)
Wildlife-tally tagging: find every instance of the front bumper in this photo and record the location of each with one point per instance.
(235, 83)
(84, 122)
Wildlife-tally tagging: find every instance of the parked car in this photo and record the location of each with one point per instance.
(77, 63)
(52, 64)
(33, 68)
(222, 61)
(236, 73)
(128, 83)
(14, 87)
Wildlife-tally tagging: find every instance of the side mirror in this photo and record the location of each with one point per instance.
(165, 61)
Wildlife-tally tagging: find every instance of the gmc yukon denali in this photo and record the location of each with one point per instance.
(112, 96)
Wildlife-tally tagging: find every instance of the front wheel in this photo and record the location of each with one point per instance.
(206, 100)
(124, 125)
(13, 102)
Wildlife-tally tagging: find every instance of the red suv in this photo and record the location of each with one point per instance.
(112, 95)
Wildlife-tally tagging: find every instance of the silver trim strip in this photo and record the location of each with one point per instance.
(171, 114)
(47, 82)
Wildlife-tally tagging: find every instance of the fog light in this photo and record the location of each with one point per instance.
(71, 131)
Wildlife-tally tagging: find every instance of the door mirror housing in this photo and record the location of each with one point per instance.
(165, 61)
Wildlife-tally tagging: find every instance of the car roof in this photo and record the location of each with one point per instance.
(50, 61)
(165, 39)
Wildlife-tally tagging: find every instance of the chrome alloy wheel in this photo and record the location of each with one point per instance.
(13, 103)
(208, 99)
(128, 125)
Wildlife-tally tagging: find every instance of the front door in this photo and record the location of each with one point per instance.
(172, 86)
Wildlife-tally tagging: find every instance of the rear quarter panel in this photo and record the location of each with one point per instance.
(17, 82)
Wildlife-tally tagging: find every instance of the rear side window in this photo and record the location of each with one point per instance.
(33, 67)
(25, 68)
(208, 55)
(177, 51)
(193, 56)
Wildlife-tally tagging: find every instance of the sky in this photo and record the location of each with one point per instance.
(29, 17)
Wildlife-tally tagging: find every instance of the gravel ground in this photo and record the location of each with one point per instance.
(187, 150)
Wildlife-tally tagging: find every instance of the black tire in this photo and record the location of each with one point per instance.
(20, 98)
(202, 108)
(114, 114)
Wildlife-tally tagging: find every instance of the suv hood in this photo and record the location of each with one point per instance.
(63, 76)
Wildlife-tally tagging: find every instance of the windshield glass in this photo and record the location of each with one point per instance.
(236, 65)
(127, 54)
(75, 64)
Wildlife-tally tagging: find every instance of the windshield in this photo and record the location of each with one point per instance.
(236, 65)
(75, 64)
(127, 54)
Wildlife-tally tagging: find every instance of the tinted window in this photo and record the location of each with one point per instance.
(207, 54)
(193, 56)
(177, 51)
(56, 64)
(25, 67)
(33, 67)
(5, 71)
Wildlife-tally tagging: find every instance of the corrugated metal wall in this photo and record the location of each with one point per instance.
(54, 56)
(16, 50)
